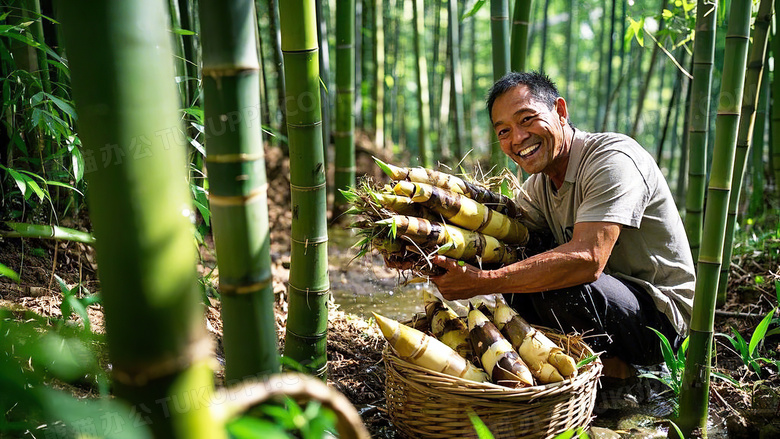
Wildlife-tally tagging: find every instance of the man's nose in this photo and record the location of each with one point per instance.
(519, 135)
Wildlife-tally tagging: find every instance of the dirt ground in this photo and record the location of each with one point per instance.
(355, 346)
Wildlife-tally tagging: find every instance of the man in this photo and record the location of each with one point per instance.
(622, 263)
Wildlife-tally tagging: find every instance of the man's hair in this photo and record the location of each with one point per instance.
(540, 85)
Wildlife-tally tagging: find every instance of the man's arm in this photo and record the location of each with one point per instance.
(576, 262)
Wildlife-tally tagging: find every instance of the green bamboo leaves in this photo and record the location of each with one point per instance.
(238, 187)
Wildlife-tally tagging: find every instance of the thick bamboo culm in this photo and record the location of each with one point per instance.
(694, 397)
(699, 127)
(238, 187)
(344, 132)
(122, 74)
(308, 287)
(753, 78)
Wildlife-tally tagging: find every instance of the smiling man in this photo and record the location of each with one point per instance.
(622, 263)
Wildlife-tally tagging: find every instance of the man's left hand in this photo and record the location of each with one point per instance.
(461, 281)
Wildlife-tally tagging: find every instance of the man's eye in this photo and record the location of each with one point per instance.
(527, 119)
(503, 133)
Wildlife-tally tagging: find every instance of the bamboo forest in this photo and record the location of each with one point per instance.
(319, 218)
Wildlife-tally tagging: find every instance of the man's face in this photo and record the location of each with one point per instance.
(531, 133)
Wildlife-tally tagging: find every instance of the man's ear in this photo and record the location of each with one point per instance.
(562, 110)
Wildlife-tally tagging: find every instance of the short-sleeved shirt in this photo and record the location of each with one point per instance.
(611, 178)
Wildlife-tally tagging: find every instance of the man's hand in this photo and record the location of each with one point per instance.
(461, 281)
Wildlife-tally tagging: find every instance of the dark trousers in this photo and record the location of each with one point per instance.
(612, 314)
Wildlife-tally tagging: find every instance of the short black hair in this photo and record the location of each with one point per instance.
(540, 85)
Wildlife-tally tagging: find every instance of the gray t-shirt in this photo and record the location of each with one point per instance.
(611, 178)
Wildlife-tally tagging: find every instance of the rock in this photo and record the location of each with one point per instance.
(602, 433)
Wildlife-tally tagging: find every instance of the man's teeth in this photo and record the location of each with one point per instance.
(529, 149)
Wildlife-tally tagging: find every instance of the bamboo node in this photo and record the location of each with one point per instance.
(141, 373)
(307, 188)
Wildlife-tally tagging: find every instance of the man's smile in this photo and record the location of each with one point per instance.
(525, 153)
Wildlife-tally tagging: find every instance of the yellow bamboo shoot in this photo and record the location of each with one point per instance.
(465, 212)
(425, 351)
(536, 349)
(493, 200)
(498, 358)
(452, 241)
(447, 326)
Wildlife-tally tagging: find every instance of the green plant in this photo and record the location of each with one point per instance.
(482, 431)
(748, 351)
(284, 421)
(35, 355)
(674, 362)
(42, 146)
(7, 272)
(71, 303)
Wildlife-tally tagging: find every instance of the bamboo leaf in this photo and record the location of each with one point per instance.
(727, 378)
(474, 9)
(78, 164)
(666, 349)
(482, 431)
(7, 272)
(587, 360)
(180, 31)
(20, 180)
(65, 185)
(760, 332)
(248, 427)
(37, 189)
(64, 106)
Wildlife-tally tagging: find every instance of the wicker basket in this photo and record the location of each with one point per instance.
(426, 404)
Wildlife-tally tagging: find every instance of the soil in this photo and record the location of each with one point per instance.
(354, 345)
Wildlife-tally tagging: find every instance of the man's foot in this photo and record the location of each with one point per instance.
(616, 368)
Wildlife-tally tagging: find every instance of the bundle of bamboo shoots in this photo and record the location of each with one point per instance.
(510, 352)
(426, 212)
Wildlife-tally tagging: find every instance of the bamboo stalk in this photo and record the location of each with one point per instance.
(238, 187)
(309, 288)
(699, 125)
(520, 27)
(22, 230)
(122, 71)
(695, 387)
(423, 102)
(500, 38)
(456, 79)
(379, 94)
(344, 132)
(753, 79)
(775, 127)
